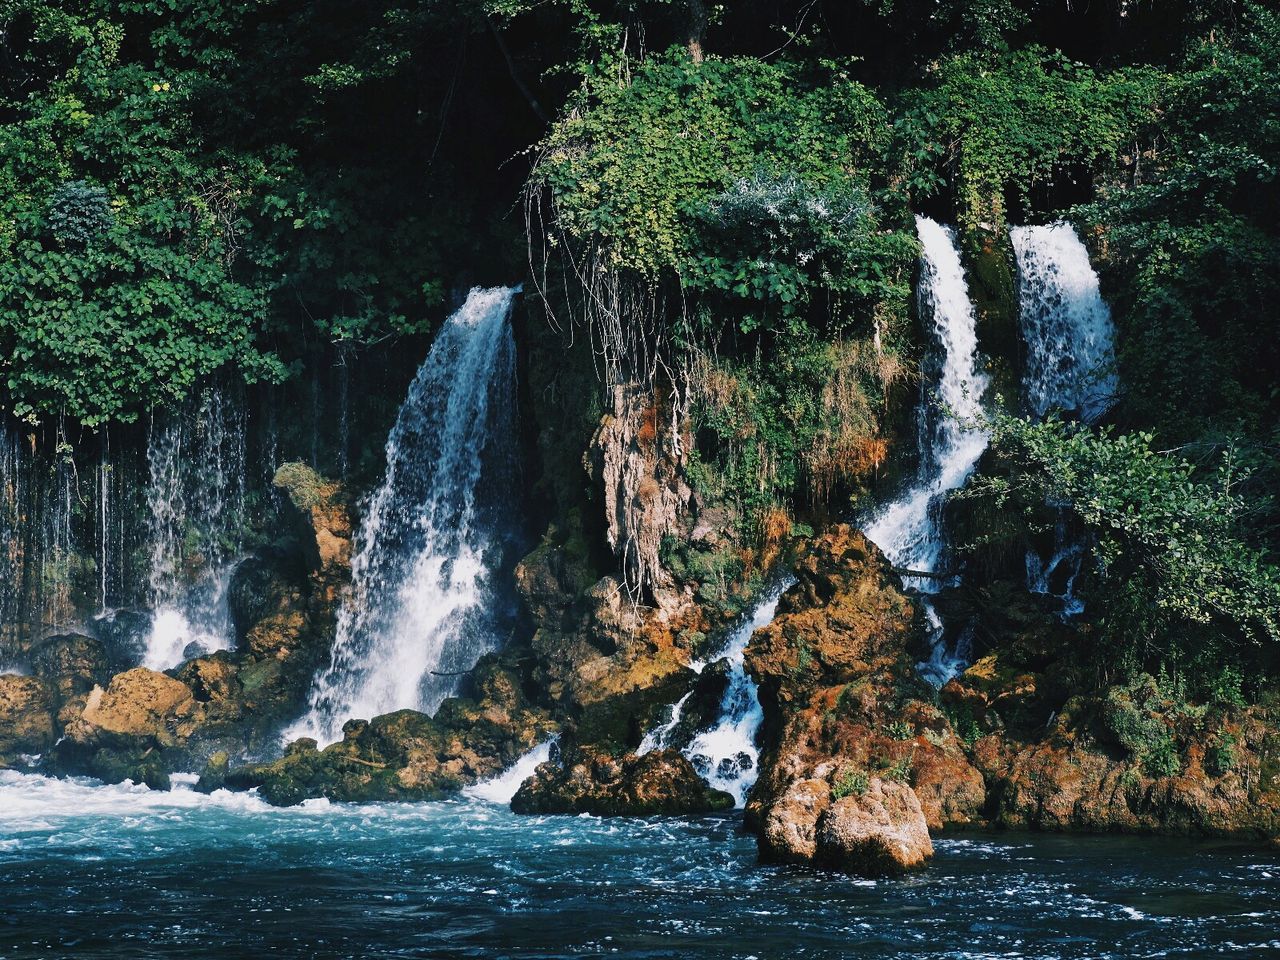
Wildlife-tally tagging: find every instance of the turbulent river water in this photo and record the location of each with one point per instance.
(126, 872)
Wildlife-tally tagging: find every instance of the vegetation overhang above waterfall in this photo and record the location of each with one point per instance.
(862, 416)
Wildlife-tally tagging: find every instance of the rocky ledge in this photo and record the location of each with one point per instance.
(589, 780)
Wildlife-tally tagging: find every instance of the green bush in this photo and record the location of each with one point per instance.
(1222, 757)
(850, 783)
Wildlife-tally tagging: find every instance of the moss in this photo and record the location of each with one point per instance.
(993, 288)
(305, 488)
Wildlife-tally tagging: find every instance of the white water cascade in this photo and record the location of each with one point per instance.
(951, 439)
(1070, 366)
(726, 754)
(196, 504)
(503, 787)
(423, 607)
(1066, 325)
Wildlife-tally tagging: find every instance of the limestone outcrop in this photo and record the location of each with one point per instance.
(842, 698)
(26, 717)
(405, 755)
(589, 780)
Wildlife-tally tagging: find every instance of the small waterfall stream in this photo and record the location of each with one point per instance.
(423, 606)
(196, 503)
(1066, 325)
(909, 529)
(726, 754)
(1069, 339)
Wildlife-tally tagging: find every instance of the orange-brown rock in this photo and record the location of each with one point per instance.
(633, 454)
(26, 717)
(840, 692)
(124, 731)
(878, 832)
(324, 506)
(137, 703)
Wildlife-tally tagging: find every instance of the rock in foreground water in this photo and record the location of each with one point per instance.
(592, 781)
(26, 717)
(880, 832)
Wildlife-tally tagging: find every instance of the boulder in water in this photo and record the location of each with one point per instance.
(880, 832)
(26, 717)
(124, 731)
(839, 690)
(590, 780)
(789, 833)
(407, 755)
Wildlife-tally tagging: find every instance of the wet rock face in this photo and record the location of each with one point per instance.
(841, 697)
(26, 717)
(634, 454)
(71, 664)
(122, 732)
(405, 755)
(589, 780)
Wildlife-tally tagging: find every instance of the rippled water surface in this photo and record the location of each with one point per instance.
(89, 871)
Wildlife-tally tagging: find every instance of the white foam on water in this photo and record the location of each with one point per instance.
(726, 755)
(503, 787)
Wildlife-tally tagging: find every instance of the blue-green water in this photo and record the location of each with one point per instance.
(93, 871)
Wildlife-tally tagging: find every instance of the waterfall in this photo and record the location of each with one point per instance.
(909, 529)
(1066, 325)
(196, 504)
(43, 576)
(1070, 366)
(423, 606)
(725, 755)
(503, 787)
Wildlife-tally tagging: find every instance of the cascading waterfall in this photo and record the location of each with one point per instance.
(196, 505)
(909, 529)
(423, 606)
(1066, 325)
(503, 787)
(41, 571)
(1070, 366)
(726, 755)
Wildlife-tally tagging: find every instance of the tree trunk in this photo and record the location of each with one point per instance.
(697, 29)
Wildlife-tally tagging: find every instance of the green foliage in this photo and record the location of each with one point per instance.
(744, 180)
(1222, 757)
(1014, 119)
(1174, 571)
(1187, 240)
(1130, 716)
(900, 770)
(963, 722)
(305, 488)
(899, 730)
(1226, 687)
(79, 213)
(850, 783)
(179, 196)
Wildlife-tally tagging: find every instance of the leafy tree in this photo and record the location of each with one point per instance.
(1175, 574)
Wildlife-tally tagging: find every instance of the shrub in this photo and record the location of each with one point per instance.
(850, 783)
(900, 730)
(79, 213)
(1222, 758)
